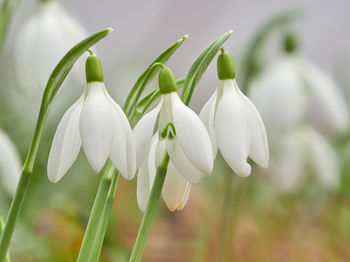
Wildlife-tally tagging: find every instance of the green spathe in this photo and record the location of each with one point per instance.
(290, 43)
(225, 66)
(166, 80)
(93, 69)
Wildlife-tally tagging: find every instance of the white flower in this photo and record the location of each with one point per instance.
(98, 124)
(293, 91)
(299, 153)
(173, 127)
(10, 164)
(42, 42)
(235, 127)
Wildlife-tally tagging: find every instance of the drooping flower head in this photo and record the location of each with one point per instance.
(98, 124)
(173, 127)
(234, 124)
(10, 164)
(293, 91)
(48, 34)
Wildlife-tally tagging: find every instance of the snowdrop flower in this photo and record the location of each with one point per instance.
(96, 123)
(300, 152)
(42, 42)
(173, 127)
(234, 124)
(294, 90)
(10, 164)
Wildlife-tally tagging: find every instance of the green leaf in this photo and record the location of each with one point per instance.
(145, 103)
(66, 63)
(141, 82)
(6, 11)
(251, 64)
(200, 65)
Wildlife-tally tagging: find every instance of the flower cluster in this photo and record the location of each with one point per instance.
(95, 122)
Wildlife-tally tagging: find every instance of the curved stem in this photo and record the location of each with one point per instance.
(103, 225)
(23, 184)
(7, 258)
(151, 208)
(97, 209)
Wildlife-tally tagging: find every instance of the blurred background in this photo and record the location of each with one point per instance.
(296, 210)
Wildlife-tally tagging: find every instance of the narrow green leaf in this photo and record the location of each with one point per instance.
(66, 63)
(251, 64)
(200, 65)
(6, 11)
(141, 82)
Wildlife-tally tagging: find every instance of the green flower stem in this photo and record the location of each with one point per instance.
(97, 209)
(151, 208)
(6, 11)
(227, 224)
(7, 258)
(103, 226)
(54, 83)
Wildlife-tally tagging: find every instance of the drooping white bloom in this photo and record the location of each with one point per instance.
(10, 164)
(41, 42)
(300, 152)
(98, 124)
(234, 125)
(173, 127)
(293, 91)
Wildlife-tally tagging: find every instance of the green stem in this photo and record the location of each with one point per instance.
(97, 209)
(7, 9)
(151, 208)
(22, 188)
(103, 225)
(227, 223)
(7, 258)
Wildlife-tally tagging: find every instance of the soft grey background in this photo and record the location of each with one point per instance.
(142, 29)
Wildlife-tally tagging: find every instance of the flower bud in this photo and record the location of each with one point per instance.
(166, 80)
(290, 43)
(225, 66)
(93, 69)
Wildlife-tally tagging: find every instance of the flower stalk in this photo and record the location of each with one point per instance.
(152, 203)
(95, 216)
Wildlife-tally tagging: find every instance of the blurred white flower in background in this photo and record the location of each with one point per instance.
(294, 91)
(41, 42)
(302, 152)
(10, 164)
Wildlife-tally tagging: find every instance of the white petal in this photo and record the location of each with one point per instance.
(281, 87)
(10, 164)
(287, 168)
(143, 187)
(259, 148)
(66, 143)
(323, 159)
(123, 152)
(207, 116)
(231, 129)
(96, 126)
(328, 109)
(192, 136)
(143, 133)
(182, 164)
(176, 189)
